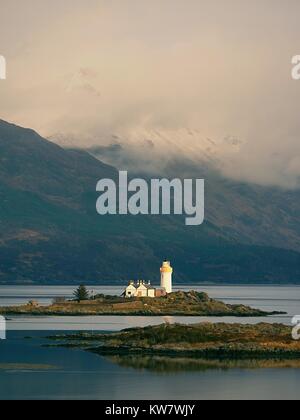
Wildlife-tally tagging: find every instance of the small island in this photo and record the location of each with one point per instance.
(139, 298)
(173, 304)
(203, 341)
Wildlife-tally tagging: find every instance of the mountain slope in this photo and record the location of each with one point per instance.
(51, 233)
(248, 213)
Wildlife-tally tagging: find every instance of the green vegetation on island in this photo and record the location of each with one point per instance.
(81, 294)
(202, 341)
(175, 304)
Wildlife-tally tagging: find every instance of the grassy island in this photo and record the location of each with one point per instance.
(203, 341)
(175, 304)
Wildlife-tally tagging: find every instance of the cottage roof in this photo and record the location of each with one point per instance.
(142, 285)
(149, 287)
(146, 286)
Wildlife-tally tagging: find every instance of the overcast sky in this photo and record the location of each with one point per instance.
(87, 69)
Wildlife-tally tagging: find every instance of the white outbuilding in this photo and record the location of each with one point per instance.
(139, 289)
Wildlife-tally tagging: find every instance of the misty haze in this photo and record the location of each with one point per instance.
(199, 79)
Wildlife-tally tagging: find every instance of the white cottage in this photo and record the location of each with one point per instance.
(141, 289)
(130, 290)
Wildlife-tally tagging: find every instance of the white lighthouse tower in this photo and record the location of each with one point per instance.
(166, 276)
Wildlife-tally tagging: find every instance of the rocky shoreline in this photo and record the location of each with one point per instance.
(205, 341)
(175, 304)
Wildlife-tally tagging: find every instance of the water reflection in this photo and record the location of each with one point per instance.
(82, 375)
(166, 365)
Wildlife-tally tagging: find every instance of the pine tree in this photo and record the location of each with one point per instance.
(81, 293)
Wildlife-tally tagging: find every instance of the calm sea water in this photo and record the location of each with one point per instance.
(30, 371)
(273, 298)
